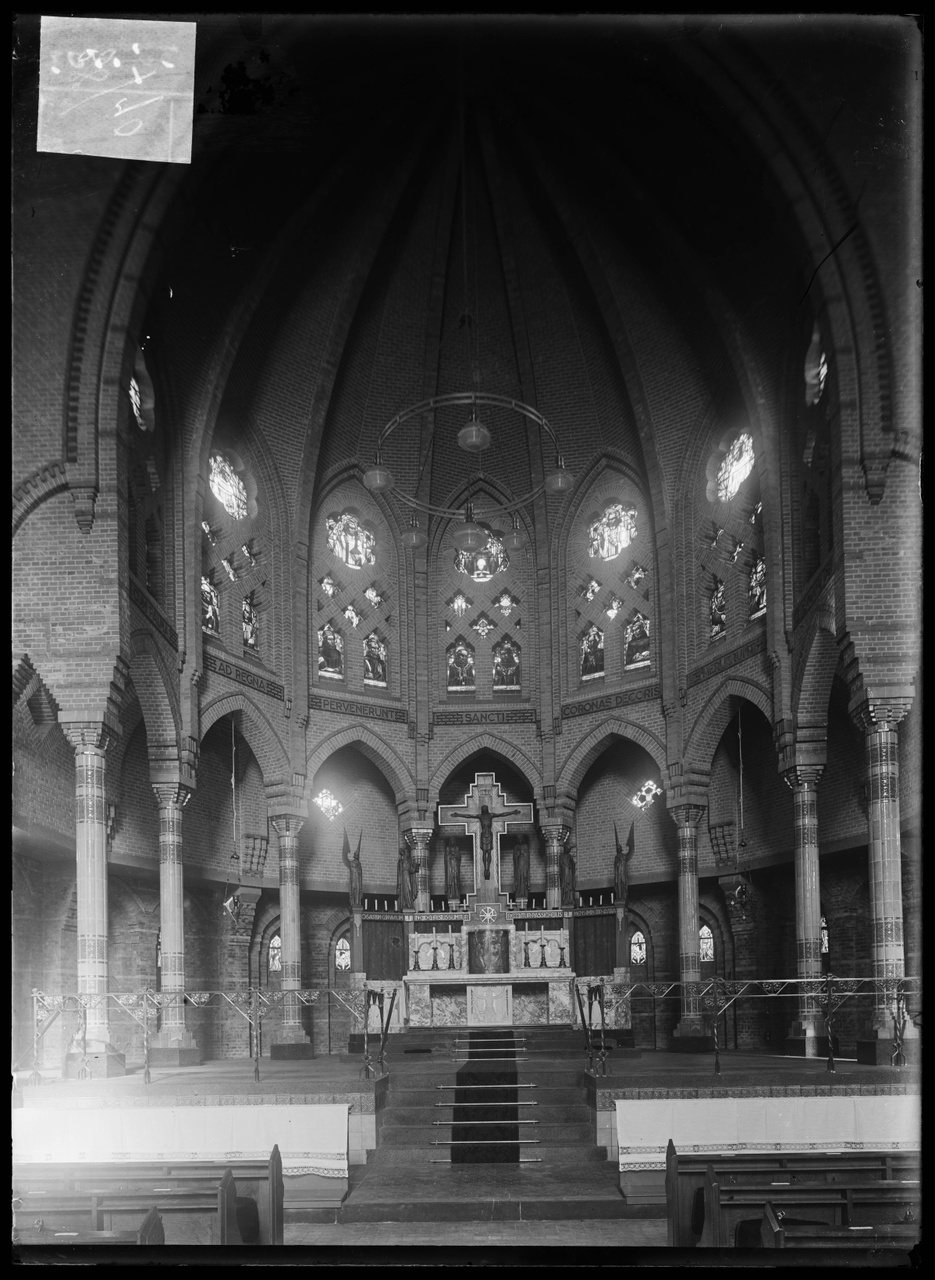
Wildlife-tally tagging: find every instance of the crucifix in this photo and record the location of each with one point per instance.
(483, 816)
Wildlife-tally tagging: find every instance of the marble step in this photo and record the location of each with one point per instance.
(419, 1135)
(571, 1113)
(552, 1151)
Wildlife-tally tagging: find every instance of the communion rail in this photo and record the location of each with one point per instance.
(714, 996)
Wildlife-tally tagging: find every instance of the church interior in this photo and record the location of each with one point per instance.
(483, 623)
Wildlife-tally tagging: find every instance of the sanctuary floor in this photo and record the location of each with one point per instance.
(489, 1240)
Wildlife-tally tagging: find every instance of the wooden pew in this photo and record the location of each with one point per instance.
(261, 1184)
(685, 1175)
(209, 1203)
(149, 1232)
(837, 1204)
(775, 1233)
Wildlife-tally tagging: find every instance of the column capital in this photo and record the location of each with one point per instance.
(170, 766)
(687, 814)
(880, 709)
(418, 835)
(171, 794)
(83, 734)
(286, 825)
(556, 831)
(802, 775)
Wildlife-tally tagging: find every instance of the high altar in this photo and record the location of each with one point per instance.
(491, 963)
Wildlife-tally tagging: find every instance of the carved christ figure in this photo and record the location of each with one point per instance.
(485, 818)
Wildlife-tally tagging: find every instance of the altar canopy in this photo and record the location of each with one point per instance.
(312, 1139)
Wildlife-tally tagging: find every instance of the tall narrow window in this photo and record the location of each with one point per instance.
(718, 609)
(210, 607)
(636, 653)
(227, 486)
(506, 657)
(462, 676)
(251, 624)
(330, 653)
(757, 588)
(592, 653)
(705, 945)
(735, 466)
(274, 964)
(375, 661)
(638, 948)
(342, 955)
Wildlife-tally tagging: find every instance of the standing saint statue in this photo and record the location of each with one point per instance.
(452, 871)
(405, 873)
(355, 872)
(566, 877)
(621, 888)
(521, 869)
(485, 817)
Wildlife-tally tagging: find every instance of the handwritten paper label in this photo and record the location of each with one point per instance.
(119, 87)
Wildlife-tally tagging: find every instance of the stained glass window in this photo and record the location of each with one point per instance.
(816, 369)
(330, 805)
(614, 607)
(637, 948)
(592, 654)
(483, 626)
(758, 587)
(210, 607)
(824, 937)
(328, 585)
(705, 944)
(735, 466)
(506, 665)
(374, 597)
(227, 487)
(460, 605)
(506, 603)
(636, 653)
(330, 653)
(615, 530)
(251, 624)
(275, 954)
(636, 576)
(136, 402)
(591, 590)
(718, 609)
(375, 661)
(350, 541)
(353, 617)
(482, 565)
(461, 672)
(342, 955)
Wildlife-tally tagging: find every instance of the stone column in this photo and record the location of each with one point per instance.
(689, 1035)
(805, 1031)
(293, 1042)
(91, 742)
(555, 837)
(418, 839)
(878, 722)
(173, 1045)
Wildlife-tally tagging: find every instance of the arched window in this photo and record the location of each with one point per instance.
(274, 956)
(227, 486)
(637, 948)
(825, 945)
(705, 945)
(342, 955)
(735, 466)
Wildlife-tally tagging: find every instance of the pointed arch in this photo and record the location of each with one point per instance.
(709, 725)
(814, 691)
(583, 755)
(377, 750)
(259, 734)
(509, 752)
(156, 688)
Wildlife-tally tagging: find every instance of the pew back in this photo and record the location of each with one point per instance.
(149, 1233)
(776, 1233)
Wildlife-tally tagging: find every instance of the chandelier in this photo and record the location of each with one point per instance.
(474, 438)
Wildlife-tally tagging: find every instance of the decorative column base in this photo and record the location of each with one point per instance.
(691, 1037)
(174, 1047)
(800, 1043)
(102, 1062)
(877, 1050)
(291, 1045)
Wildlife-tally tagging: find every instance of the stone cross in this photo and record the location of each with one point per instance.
(483, 814)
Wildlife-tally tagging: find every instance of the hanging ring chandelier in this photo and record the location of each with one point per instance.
(474, 437)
